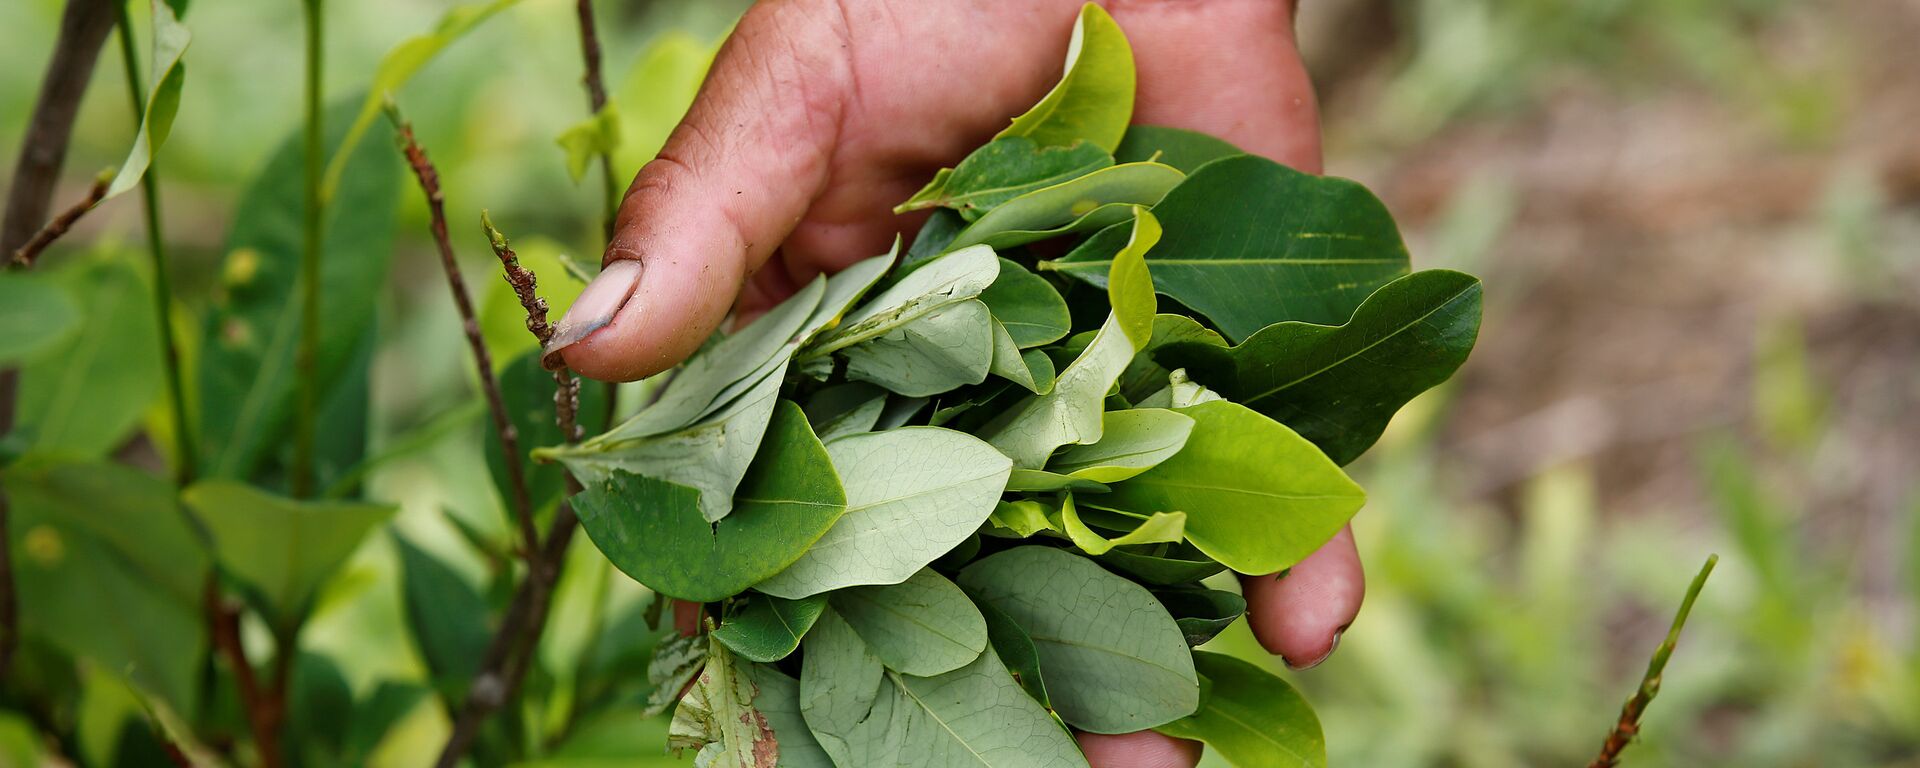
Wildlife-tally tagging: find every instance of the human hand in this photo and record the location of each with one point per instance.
(819, 115)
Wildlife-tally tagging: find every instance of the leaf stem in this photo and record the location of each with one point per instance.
(184, 458)
(469, 322)
(306, 373)
(1629, 724)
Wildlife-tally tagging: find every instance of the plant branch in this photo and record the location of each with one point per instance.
(259, 704)
(502, 424)
(26, 254)
(597, 100)
(184, 458)
(306, 372)
(508, 655)
(1628, 726)
(43, 150)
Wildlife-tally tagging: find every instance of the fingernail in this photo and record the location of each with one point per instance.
(597, 305)
(1323, 657)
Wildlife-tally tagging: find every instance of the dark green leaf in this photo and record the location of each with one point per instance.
(1339, 386)
(1114, 660)
(1252, 718)
(81, 403)
(246, 369)
(767, 628)
(1250, 242)
(1182, 149)
(1163, 564)
(652, 529)
(37, 312)
(1016, 650)
(1042, 481)
(1201, 613)
(447, 616)
(1027, 305)
(527, 391)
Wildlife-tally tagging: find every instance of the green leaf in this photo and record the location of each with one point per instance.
(1144, 376)
(1042, 481)
(949, 279)
(1179, 392)
(1182, 149)
(934, 237)
(1131, 442)
(768, 628)
(1251, 242)
(1020, 519)
(1162, 564)
(1251, 718)
(655, 93)
(590, 138)
(37, 312)
(1103, 198)
(81, 402)
(1094, 99)
(653, 531)
(1339, 386)
(527, 390)
(107, 568)
(1032, 369)
(676, 659)
(1016, 650)
(710, 458)
(447, 617)
(1004, 169)
(922, 626)
(779, 702)
(1202, 613)
(974, 716)
(1258, 497)
(717, 717)
(1027, 305)
(1156, 528)
(1115, 662)
(912, 494)
(246, 370)
(170, 40)
(1071, 413)
(947, 348)
(279, 548)
(845, 409)
(396, 68)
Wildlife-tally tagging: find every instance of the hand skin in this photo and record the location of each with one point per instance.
(819, 115)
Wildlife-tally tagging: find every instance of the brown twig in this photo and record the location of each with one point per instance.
(264, 711)
(504, 665)
(43, 150)
(502, 424)
(25, 255)
(1628, 726)
(597, 100)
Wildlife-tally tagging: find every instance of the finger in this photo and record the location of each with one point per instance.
(1245, 83)
(1300, 613)
(730, 184)
(1141, 749)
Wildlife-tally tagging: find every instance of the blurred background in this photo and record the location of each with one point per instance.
(1699, 226)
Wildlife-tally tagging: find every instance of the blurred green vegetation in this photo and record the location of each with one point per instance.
(1502, 628)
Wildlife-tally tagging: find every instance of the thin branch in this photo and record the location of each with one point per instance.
(597, 100)
(1629, 724)
(258, 704)
(469, 322)
(25, 255)
(184, 459)
(508, 655)
(300, 478)
(43, 150)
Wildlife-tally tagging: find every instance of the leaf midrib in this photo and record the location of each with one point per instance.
(1384, 338)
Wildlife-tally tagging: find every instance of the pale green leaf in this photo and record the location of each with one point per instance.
(397, 67)
(1251, 718)
(37, 312)
(170, 41)
(281, 549)
(947, 348)
(1029, 306)
(1144, 376)
(1099, 199)
(1114, 660)
(1031, 369)
(590, 138)
(1017, 651)
(653, 530)
(949, 279)
(840, 681)
(1071, 413)
(717, 717)
(1131, 442)
(1339, 386)
(1004, 169)
(922, 626)
(1251, 242)
(1094, 98)
(1042, 481)
(779, 702)
(1258, 497)
(766, 628)
(1021, 518)
(1179, 392)
(912, 494)
(1156, 528)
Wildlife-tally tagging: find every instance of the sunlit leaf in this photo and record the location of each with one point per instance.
(170, 40)
(1099, 199)
(1251, 718)
(1094, 99)
(280, 549)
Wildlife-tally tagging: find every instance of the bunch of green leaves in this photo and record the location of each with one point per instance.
(946, 504)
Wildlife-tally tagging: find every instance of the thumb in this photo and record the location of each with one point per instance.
(734, 178)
